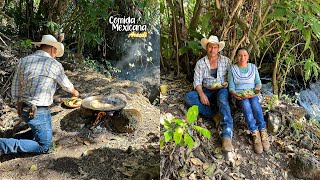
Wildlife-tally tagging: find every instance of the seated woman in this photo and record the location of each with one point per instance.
(244, 76)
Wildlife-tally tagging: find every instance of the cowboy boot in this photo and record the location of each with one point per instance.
(257, 146)
(227, 144)
(264, 140)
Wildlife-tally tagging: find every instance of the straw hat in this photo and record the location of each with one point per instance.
(51, 41)
(213, 40)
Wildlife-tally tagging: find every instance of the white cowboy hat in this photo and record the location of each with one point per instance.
(51, 41)
(214, 40)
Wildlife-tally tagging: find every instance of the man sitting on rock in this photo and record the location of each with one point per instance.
(33, 87)
(210, 79)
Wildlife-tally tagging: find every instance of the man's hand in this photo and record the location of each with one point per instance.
(74, 92)
(204, 99)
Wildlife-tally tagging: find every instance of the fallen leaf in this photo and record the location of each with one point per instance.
(33, 168)
(87, 152)
(183, 173)
(205, 166)
(192, 177)
(59, 147)
(218, 156)
(171, 105)
(211, 169)
(253, 172)
(86, 143)
(238, 163)
(277, 155)
(252, 163)
(196, 161)
(128, 173)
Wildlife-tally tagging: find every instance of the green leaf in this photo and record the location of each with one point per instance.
(167, 124)
(179, 122)
(28, 41)
(161, 143)
(168, 136)
(183, 50)
(205, 132)
(188, 140)
(192, 114)
(315, 25)
(307, 37)
(177, 136)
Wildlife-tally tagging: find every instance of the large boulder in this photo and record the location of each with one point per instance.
(305, 167)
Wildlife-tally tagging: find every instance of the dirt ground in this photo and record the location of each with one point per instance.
(81, 153)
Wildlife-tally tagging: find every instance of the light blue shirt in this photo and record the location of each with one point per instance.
(243, 72)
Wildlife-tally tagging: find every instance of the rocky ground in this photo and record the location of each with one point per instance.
(295, 143)
(78, 151)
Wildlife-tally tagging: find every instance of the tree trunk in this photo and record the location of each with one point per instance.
(196, 15)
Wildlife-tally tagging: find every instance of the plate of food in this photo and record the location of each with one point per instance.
(248, 93)
(73, 102)
(215, 85)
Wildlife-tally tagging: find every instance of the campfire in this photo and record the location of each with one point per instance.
(109, 110)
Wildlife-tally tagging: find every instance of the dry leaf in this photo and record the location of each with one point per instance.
(210, 171)
(218, 156)
(277, 155)
(183, 173)
(33, 168)
(196, 161)
(86, 142)
(193, 177)
(238, 163)
(252, 163)
(59, 147)
(205, 166)
(87, 152)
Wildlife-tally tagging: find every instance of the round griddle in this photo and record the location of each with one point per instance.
(117, 102)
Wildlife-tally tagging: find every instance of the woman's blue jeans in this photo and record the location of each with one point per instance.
(192, 98)
(41, 131)
(252, 112)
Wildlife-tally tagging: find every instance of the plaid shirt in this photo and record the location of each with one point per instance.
(36, 78)
(202, 71)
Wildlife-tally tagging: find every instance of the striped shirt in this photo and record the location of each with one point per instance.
(36, 78)
(243, 78)
(202, 71)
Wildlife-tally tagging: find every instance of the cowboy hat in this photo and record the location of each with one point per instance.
(213, 40)
(51, 41)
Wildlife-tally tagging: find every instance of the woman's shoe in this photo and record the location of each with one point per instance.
(264, 140)
(257, 146)
(227, 145)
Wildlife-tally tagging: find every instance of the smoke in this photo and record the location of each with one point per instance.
(141, 57)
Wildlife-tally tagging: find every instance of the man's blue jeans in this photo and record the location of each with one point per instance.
(192, 98)
(42, 135)
(252, 112)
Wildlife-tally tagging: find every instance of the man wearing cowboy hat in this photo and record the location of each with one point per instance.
(211, 69)
(33, 87)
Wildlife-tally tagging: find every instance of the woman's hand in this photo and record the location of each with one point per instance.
(235, 95)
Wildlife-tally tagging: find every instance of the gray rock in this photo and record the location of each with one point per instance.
(306, 143)
(305, 166)
(273, 122)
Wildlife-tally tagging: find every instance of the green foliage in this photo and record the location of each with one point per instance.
(107, 70)
(181, 131)
(272, 101)
(52, 26)
(26, 44)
